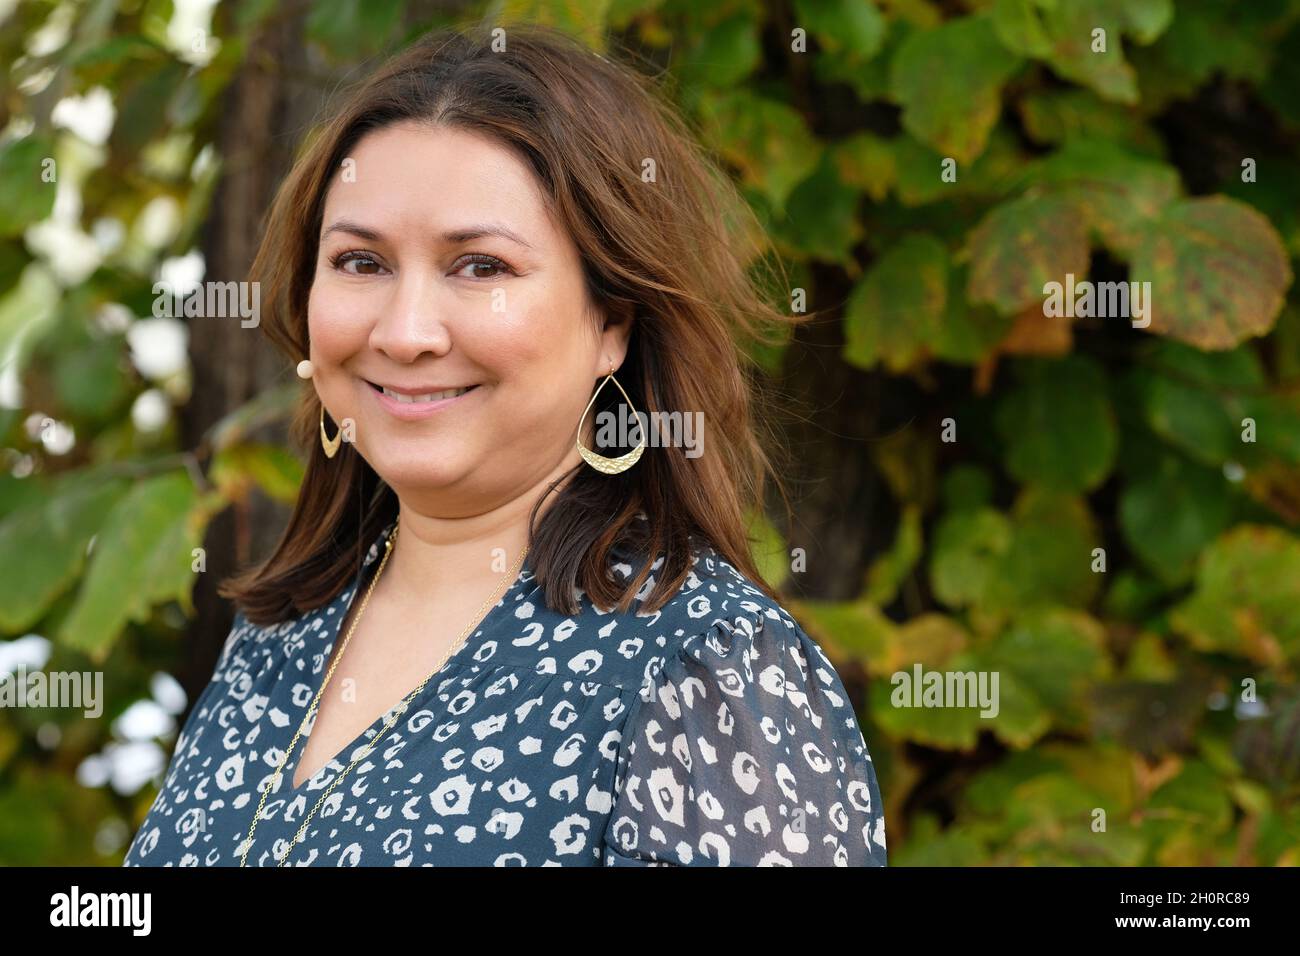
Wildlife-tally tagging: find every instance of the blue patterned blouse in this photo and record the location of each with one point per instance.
(713, 732)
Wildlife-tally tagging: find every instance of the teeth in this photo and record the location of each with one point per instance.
(431, 397)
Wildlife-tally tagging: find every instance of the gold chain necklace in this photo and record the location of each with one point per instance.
(388, 724)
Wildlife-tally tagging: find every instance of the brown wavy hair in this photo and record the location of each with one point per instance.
(683, 254)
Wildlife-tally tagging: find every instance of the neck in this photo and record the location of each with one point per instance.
(436, 554)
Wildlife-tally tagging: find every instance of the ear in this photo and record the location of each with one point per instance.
(614, 337)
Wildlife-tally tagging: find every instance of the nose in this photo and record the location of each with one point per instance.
(412, 322)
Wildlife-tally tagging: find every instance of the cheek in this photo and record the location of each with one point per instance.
(336, 330)
(530, 344)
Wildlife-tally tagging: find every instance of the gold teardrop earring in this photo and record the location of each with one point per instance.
(331, 445)
(610, 466)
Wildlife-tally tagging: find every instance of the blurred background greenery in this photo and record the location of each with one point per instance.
(1106, 516)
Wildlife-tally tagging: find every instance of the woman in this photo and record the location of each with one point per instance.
(481, 641)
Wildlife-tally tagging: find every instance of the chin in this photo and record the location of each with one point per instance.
(416, 474)
(428, 470)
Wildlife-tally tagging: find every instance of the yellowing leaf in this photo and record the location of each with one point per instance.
(949, 82)
(1218, 272)
(1022, 245)
(1247, 595)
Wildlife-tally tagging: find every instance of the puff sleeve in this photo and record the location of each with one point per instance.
(743, 749)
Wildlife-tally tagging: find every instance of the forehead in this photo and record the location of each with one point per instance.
(424, 178)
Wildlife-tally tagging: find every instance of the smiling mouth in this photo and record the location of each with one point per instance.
(425, 398)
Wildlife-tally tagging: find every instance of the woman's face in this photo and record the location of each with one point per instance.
(440, 268)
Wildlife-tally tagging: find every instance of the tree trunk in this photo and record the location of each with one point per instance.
(263, 112)
(841, 509)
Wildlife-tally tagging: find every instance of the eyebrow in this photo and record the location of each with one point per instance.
(455, 236)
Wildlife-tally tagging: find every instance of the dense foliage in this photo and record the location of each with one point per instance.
(1105, 513)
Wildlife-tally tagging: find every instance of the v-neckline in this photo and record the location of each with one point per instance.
(343, 756)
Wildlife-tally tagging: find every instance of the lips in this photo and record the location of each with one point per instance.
(414, 403)
(409, 396)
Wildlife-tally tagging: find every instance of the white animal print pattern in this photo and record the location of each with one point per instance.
(714, 732)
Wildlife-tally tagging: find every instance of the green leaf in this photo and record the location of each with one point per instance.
(934, 643)
(955, 846)
(856, 628)
(142, 557)
(43, 545)
(1050, 559)
(866, 162)
(888, 572)
(1057, 424)
(851, 29)
(968, 551)
(768, 549)
(1040, 554)
(1196, 400)
(1277, 197)
(1047, 822)
(26, 313)
(90, 380)
(947, 728)
(822, 219)
(116, 50)
(1203, 401)
(1217, 36)
(1060, 33)
(918, 172)
(272, 405)
(763, 138)
(1170, 515)
(991, 788)
(919, 169)
(1197, 796)
(1080, 116)
(968, 332)
(143, 106)
(1020, 719)
(895, 314)
(1149, 658)
(1278, 91)
(1056, 655)
(1277, 424)
(1218, 272)
(948, 81)
(17, 493)
(726, 53)
(25, 197)
(1247, 592)
(275, 470)
(1022, 245)
(967, 487)
(352, 29)
(932, 640)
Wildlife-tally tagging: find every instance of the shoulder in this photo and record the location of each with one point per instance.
(735, 637)
(717, 617)
(289, 634)
(742, 746)
(249, 648)
(719, 613)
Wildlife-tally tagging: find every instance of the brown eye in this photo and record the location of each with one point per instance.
(482, 267)
(365, 265)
